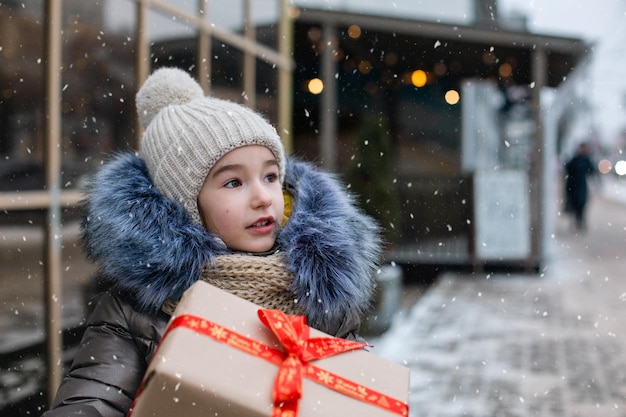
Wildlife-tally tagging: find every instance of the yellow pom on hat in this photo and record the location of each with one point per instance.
(186, 133)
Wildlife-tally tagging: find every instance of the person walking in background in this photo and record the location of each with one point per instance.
(577, 170)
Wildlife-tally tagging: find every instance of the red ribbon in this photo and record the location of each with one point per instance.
(294, 363)
(293, 333)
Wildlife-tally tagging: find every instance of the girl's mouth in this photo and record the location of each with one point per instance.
(261, 223)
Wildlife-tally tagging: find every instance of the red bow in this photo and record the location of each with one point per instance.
(293, 334)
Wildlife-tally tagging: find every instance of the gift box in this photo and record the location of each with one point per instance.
(221, 356)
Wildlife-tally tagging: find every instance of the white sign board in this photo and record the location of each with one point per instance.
(502, 215)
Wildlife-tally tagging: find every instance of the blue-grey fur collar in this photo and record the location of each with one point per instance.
(149, 248)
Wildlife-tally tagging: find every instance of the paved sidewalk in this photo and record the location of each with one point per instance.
(552, 344)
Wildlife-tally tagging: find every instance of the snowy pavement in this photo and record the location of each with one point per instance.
(512, 346)
(613, 188)
(552, 344)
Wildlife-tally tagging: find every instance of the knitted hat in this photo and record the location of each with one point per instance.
(186, 133)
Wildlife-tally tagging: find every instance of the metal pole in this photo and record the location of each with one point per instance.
(249, 60)
(203, 55)
(328, 108)
(536, 180)
(285, 77)
(142, 65)
(52, 273)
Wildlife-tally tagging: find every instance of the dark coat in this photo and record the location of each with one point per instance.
(149, 249)
(577, 170)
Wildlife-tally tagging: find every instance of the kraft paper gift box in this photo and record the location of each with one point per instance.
(192, 374)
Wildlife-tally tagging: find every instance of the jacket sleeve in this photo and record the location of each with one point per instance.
(109, 363)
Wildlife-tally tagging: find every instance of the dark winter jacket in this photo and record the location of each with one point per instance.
(150, 250)
(577, 170)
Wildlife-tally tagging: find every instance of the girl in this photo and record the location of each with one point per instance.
(211, 196)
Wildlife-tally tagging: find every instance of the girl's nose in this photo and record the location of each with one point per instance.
(261, 197)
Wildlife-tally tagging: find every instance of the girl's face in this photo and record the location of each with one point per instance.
(241, 199)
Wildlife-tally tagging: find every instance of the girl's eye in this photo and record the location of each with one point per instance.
(271, 178)
(232, 184)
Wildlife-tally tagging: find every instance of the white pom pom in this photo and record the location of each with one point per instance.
(165, 87)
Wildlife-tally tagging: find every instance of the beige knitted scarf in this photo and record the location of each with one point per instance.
(263, 280)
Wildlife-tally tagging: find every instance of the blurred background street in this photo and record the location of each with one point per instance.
(523, 345)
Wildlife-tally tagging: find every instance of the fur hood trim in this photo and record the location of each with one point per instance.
(149, 248)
